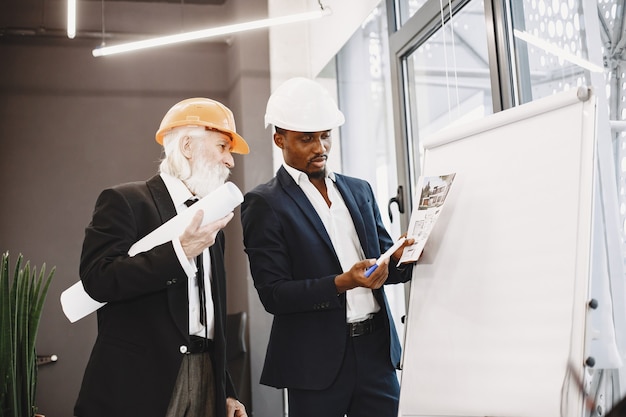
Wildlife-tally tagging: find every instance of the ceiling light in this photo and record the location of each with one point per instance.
(71, 19)
(558, 51)
(208, 33)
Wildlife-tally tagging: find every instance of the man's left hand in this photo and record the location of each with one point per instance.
(234, 408)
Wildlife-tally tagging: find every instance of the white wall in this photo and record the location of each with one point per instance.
(304, 49)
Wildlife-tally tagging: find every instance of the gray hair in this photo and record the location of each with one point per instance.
(174, 162)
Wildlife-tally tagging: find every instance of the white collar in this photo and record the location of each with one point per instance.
(298, 175)
(176, 188)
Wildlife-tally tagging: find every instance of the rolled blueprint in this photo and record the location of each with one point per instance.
(76, 303)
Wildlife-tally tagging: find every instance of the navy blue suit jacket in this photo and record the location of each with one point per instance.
(294, 264)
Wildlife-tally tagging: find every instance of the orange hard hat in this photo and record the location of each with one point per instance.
(205, 112)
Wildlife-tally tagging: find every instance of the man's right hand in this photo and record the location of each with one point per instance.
(355, 277)
(196, 237)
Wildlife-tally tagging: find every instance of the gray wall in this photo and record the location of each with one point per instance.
(71, 124)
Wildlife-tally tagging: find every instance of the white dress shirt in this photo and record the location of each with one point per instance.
(360, 302)
(180, 193)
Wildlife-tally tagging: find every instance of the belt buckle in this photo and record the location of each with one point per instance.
(360, 328)
(199, 344)
(352, 329)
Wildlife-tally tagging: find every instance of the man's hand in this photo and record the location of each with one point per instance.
(234, 408)
(355, 277)
(398, 253)
(196, 237)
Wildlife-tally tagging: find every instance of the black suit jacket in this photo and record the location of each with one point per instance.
(144, 327)
(294, 264)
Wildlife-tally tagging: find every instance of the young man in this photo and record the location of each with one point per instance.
(310, 234)
(160, 349)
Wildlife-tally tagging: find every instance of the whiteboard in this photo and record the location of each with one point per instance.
(498, 299)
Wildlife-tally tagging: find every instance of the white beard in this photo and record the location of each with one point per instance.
(206, 177)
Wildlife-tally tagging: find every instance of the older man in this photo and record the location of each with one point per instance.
(160, 349)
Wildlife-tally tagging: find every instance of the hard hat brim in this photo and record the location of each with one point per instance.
(239, 144)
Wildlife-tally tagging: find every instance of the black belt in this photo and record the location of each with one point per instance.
(199, 344)
(361, 328)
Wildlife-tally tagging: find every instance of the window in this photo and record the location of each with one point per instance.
(367, 137)
(557, 22)
(447, 77)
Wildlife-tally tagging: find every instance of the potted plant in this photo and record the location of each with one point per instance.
(22, 295)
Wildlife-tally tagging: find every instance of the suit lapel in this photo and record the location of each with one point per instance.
(161, 197)
(355, 213)
(217, 291)
(297, 195)
(361, 230)
(177, 296)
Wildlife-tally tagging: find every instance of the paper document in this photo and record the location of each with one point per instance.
(431, 193)
(77, 303)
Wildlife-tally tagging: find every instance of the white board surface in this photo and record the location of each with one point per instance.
(498, 300)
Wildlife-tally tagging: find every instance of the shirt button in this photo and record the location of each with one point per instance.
(183, 349)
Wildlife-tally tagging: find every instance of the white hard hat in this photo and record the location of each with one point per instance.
(302, 105)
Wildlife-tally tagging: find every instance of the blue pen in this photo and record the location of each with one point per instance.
(384, 256)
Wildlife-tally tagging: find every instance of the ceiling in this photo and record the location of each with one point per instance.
(213, 2)
(119, 19)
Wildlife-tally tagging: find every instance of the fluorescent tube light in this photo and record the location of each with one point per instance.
(71, 19)
(208, 33)
(558, 51)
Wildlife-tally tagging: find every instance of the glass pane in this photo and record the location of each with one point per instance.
(364, 95)
(559, 24)
(448, 75)
(407, 8)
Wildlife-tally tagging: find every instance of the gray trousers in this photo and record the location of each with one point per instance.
(194, 392)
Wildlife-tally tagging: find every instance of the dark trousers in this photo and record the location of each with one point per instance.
(367, 385)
